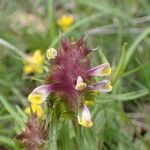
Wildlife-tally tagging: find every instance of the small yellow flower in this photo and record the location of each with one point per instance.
(27, 69)
(65, 21)
(38, 58)
(33, 64)
(37, 109)
(28, 110)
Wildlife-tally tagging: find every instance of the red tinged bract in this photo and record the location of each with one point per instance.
(33, 135)
(70, 74)
(71, 62)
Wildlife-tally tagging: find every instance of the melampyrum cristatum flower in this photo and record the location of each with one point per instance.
(84, 117)
(70, 77)
(33, 64)
(35, 109)
(51, 53)
(65, 21)
(34, 134)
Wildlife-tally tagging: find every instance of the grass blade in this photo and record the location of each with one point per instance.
(119, 69)
(13, 113)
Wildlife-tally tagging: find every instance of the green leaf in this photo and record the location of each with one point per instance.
(12, 48)
(12, 111)
(6, 141)
(134, 45)
(119, 69)
(5, 117)
(123, 97)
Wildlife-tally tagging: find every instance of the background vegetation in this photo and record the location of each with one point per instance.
(121, 118)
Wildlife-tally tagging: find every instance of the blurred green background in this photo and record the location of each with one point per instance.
(121, 118)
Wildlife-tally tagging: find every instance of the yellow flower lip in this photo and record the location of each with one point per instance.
(40, 93)
(107, 71)
(102, 86)
(108, 87)
(85, 123)
(84, 117)
(80, 85)
(51, 53)
(35, 98)
(35, 108)
(100, 70)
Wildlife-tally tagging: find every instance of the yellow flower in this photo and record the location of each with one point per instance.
(33, 64)
(80, 85)
(84, 117)
(37, 109)
(27, 69)
(37, 57)
(35, 98)
(64, 22)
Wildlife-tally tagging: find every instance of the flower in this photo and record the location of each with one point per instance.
(70, 76)
(103, 86)
(84, 117)
(36, 109)
(33, 64)
(80, 85)
(40, 93)
(64, 22)
(51, 53)
(101, 70)
(34, 134)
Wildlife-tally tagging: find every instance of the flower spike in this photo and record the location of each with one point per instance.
(103, 86)
(84, 117)
(40, 93)
(101, 70)
(51, 53)
(80, 85)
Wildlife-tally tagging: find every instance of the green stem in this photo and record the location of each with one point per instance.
(119, 69)
(53, 135)
(135, 69)
(133, 47)
(12, 48)
(51, 22)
